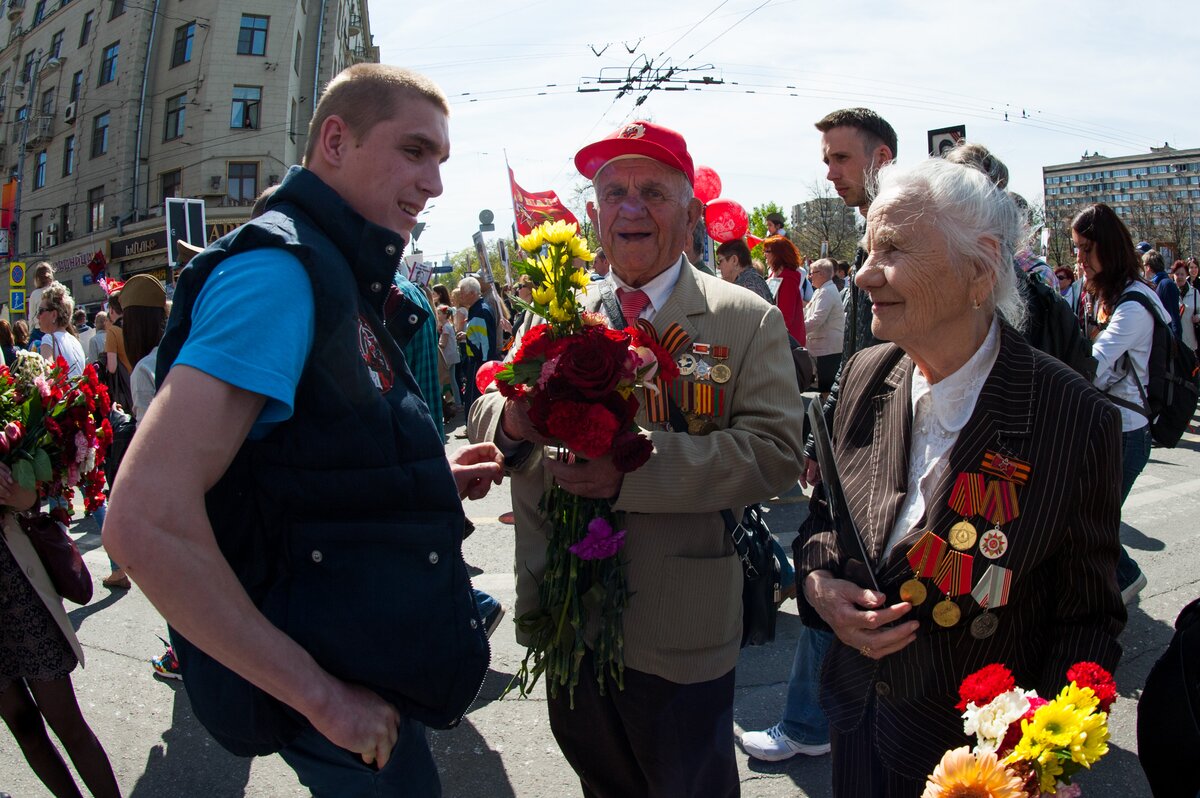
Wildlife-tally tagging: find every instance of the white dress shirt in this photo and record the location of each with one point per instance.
(658, 289)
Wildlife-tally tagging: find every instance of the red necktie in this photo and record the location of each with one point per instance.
(632, 304)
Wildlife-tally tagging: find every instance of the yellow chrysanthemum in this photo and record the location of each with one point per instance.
(1050, 768)
(1082, 698)
(558, 312)
(1054, 725)
(1092, 742)
(580, 279)
(532, 242)
(558, 232)
(543, 294)
(579, 249)
(1027, 749)
(962, 774)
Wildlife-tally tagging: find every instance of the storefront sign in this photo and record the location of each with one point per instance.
(76, 261)
(138, 246)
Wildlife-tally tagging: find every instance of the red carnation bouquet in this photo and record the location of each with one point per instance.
(55, 431)
(578, 380)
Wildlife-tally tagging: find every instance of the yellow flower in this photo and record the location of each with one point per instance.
(1092, 742)
(558, 232)
(962, 774)
(532, 242)
(1082, 698)
(1049, 768)
(579, 249)
(580, 278)
(543, 294)
(558, 312)
(1055, 725)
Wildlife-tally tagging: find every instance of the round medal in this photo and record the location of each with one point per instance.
(721, 373)
(984, 626)
(962, 535)
(946, 613)
(993, 543)
(687, 364)
(913, 592)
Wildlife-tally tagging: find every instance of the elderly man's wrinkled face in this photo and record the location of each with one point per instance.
(644, 216)
(918, 294)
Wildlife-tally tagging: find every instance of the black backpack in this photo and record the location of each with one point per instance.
(1169, 398)
(1053, 327)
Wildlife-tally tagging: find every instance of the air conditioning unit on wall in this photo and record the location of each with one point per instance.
(69, 112)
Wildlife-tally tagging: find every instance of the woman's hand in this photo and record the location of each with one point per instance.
(12, 494)
(857, 617)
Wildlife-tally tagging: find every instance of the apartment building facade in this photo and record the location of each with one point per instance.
(109, 107)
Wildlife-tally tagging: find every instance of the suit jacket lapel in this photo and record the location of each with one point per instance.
(685, 300)
(893, 411)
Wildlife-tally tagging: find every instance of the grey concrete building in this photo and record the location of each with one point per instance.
(109, 107)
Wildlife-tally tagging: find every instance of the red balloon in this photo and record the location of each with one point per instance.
(706, 185)
(726, 220)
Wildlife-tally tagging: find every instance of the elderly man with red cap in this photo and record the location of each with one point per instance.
(669, 732)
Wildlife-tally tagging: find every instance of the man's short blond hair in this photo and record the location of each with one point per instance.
(364, 95)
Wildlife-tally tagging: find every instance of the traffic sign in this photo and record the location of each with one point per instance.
(16, 274)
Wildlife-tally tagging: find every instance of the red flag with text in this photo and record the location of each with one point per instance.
(534, 207)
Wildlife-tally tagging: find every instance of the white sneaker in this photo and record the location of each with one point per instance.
(773, 745)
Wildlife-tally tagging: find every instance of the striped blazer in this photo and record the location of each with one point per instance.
(1062, 550)
(684, 620)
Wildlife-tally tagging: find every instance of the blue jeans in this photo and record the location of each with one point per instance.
(1135, 453)
(328, 771)
(787, 574)
(803, 720)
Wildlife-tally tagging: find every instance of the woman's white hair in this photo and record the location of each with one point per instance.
(970, 211)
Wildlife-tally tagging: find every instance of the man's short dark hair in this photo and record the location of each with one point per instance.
(1154, 260)
(736, 248)
(873, 127)
(777, 218)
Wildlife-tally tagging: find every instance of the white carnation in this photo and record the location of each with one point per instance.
(990, 722)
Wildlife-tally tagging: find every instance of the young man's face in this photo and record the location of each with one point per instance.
(390, 173)
(850, 163)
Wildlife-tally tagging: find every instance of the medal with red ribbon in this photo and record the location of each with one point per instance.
(923, 557)
(1005, 467)
(1000, 502)
(966, 499)
(953, 574)
(673, 339)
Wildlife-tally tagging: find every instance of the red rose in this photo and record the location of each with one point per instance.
(594, 361)
(985, 684)
(631, 451)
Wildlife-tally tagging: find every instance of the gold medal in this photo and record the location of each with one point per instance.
(913, 592)
(962, 535)
(946, 613)
(720, 373)
(984, 626)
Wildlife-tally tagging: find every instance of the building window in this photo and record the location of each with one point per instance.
(292, 120)
(56, 44)
(48, 102)
(39, 12)
(76, 86)
(118, 8)
(68, 156)
(35, 234)
(175, 111)
(252, 38)
(27, 69)
(242, 184)
(64, 220)
(100, 135)
(247, 100)
(95, 209)
(296, 58)
(172, 184)
(39, 170)
(86, 30)
(181, 53)
(22, 113)
(108, 64)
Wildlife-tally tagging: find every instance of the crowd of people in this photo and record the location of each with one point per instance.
(309, 480)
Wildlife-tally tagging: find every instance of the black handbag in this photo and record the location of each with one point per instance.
(761, 574)
(59, 555)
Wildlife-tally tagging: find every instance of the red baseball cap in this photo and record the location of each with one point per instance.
(641, 138)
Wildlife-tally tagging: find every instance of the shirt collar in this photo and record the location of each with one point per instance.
(657, 289)
(952, 401)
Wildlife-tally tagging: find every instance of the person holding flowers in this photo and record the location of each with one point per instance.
(984, 479)
(643, 705)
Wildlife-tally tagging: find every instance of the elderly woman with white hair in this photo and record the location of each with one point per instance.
(983, 478)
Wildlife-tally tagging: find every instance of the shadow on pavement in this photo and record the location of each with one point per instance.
(189, 762)
(78, 616)
(1136, 539)
(467, 765)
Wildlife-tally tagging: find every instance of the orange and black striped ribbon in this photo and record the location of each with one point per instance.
(673, 339)
(953, 573)
(966, 498)
(1000, 502)
(926, 554)
(999, 465)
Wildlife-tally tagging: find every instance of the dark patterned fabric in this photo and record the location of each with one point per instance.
(31, 644)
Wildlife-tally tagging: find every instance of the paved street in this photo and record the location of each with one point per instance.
(504, 747)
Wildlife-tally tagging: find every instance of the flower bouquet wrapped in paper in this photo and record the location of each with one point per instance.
(577, 379)
(1026, 746)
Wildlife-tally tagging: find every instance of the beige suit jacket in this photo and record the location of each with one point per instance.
(684, 617)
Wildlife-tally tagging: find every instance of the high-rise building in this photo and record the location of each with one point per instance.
(109, 107)
(1157, 195)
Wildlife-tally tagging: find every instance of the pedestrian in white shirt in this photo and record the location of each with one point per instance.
(824, 320)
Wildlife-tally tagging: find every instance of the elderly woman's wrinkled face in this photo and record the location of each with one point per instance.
(918, 294)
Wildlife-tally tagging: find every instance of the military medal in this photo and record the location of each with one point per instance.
(913, 591)
(946, 613)
(1005, 467)
(993, 544)
(720, 373)
(965, 499)
(1000, 506)
(923, 557)
(991, 592)
(984, 626)
(953, 577)
(687, 364)
(703, 367)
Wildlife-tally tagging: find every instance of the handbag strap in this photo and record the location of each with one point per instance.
(612, 307)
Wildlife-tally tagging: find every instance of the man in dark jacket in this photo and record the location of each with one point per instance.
(1164, 286)
(271, 501)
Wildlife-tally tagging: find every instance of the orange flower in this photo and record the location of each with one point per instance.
(962, 774)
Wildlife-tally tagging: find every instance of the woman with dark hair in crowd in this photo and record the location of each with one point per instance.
(1189, 304)
(20, 334)
(443, 295)
(1121, 347)
(734, 266)
(783, 260)
(7, 347)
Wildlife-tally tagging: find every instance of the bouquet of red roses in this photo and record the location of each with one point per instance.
(55, 431)
(1026, 746)
(578, 380)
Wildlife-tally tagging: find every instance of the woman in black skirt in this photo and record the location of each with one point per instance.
(38, 651)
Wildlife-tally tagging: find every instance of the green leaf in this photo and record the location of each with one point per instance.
(525, 372)
(23, 471)
(42, 470)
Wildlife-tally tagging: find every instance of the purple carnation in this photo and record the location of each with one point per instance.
(600, 542)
